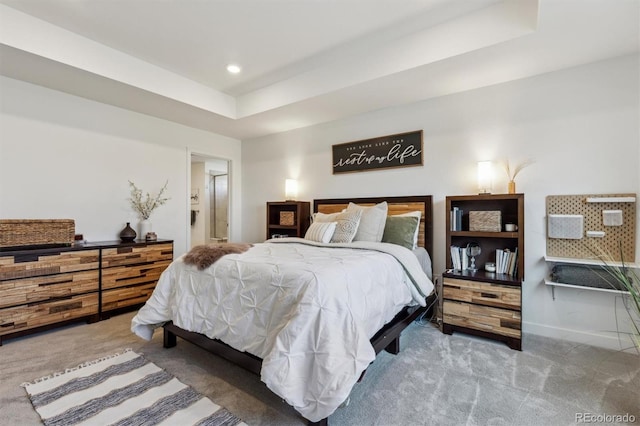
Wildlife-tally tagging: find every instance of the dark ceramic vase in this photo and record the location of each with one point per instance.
(128, 234)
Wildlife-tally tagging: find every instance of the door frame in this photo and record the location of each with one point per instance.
(190, 154)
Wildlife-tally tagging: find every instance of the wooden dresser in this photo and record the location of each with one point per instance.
(48, 287)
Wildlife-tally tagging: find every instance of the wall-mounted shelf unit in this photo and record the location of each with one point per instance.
(554, 284)
(596, 262)
(607, 223)
(584, 262)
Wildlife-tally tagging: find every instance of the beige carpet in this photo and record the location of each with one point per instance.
(435, 380)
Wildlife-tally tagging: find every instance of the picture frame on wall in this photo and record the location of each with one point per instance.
(392, 151)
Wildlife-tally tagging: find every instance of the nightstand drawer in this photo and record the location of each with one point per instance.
(482, 293)
(492, 320)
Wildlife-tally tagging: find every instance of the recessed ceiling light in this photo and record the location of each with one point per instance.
(233, 68)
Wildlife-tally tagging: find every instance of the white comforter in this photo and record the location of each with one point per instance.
(307, 309)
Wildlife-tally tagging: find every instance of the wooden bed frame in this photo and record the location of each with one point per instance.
(387, 338)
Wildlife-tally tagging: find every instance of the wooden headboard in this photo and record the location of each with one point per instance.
(397, 205)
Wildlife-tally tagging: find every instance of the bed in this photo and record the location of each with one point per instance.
(307, 316)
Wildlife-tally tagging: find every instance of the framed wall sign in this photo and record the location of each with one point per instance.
(401, 150)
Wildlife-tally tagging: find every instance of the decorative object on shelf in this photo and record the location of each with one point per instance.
(473, 250)
(34, 232)
(510, 227)
(128, 234)
(144, 206)
(612, 217)
(490, 267)
(485, 221)
(399, 150)
(287, 218)
(151, 236)
(512, 173)
(485, 177)
(145, 227)
(290, 189)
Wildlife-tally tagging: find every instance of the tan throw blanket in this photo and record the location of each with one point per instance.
(205, 255)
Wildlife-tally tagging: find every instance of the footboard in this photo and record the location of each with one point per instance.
(388, 338)
(242, 359)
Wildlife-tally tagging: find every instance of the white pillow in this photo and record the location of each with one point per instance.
(372, 223)
(321, 231)
(347, 224)
(417, 214)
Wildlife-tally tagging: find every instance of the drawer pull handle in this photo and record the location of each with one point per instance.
(489, 295)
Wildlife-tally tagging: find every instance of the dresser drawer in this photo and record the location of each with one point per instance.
(125, 276)
(38, 314)
(127, 296)
(482, 293)
(130, 255)
(504, 322)
(38, 289)
(28, 266)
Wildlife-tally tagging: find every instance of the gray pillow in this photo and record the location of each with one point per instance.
(346, 227)
(400, 230)
(371, 225)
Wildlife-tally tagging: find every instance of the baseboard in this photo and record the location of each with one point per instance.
(603, 340)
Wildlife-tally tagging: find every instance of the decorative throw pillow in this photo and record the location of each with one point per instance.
(346, 227)
(371, 226)
(320, 231)
(400, 230)
(417, 214)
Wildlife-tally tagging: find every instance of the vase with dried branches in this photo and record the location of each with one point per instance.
(145, 205)
(513, 172)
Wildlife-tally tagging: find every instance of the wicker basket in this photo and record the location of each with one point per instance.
(36, 232)
(287, 218)
(485, 221)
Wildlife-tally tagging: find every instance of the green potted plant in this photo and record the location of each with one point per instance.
(620, 275)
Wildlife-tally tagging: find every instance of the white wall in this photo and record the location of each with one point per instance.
(579, 125)
(62, 156)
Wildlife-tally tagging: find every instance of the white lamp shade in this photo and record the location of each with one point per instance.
(290, 189)
(485, 176)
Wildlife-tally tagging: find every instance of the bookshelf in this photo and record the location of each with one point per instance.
(480, 302)
(511, 208)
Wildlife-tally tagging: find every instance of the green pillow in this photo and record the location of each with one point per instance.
(400, 230)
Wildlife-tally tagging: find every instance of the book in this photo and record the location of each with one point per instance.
(454, 219)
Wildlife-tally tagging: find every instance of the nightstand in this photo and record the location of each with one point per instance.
(288, 218)
(487, 304)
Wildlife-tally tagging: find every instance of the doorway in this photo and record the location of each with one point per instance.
(219, 206)
(209, 199)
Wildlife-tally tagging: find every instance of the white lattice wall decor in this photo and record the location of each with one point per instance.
(619, 240)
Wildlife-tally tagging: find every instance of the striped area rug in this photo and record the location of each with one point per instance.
(122, 389)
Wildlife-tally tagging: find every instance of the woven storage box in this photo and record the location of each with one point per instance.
(485, 221)
(35, 232)
(287, 218)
